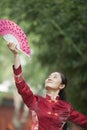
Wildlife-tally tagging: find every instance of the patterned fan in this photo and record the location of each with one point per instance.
(11, 32)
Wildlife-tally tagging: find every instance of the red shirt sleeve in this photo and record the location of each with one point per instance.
(78, 118)
(23, 87)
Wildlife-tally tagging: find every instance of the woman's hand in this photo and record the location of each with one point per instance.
(13, 48)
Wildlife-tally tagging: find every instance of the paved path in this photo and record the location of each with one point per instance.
(6, 115)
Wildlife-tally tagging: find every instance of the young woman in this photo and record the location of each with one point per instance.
(52, 111)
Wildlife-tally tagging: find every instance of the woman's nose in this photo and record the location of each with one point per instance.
(50, 78)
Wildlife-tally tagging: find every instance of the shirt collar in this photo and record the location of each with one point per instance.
(48, 97)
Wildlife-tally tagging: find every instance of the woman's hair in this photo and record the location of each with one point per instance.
(64, 79)
(62, 93)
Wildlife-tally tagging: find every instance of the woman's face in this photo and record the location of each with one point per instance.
(53, 81)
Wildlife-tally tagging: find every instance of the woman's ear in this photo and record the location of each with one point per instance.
(62, 86)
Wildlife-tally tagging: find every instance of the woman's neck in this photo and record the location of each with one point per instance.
(53, 94)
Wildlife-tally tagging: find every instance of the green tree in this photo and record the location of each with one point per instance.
(60, 34)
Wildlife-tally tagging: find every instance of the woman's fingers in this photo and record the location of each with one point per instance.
(12, 47)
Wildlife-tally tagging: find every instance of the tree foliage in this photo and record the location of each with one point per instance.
(59, 30)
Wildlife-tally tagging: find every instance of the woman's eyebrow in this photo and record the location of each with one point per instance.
(55, 74)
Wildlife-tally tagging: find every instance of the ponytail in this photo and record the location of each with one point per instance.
(62, 94)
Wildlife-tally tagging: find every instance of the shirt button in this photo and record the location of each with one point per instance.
(50, 101)
(49, 113)
(56, 101)
(56, 114)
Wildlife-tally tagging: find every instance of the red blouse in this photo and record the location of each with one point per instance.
(52, 114)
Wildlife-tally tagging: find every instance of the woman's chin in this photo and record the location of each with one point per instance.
(48, 87)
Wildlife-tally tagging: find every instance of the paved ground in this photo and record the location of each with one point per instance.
(6, 115)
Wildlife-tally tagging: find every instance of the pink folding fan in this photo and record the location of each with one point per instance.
(11, 32)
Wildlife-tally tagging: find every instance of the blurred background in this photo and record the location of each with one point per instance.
(57, 34)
